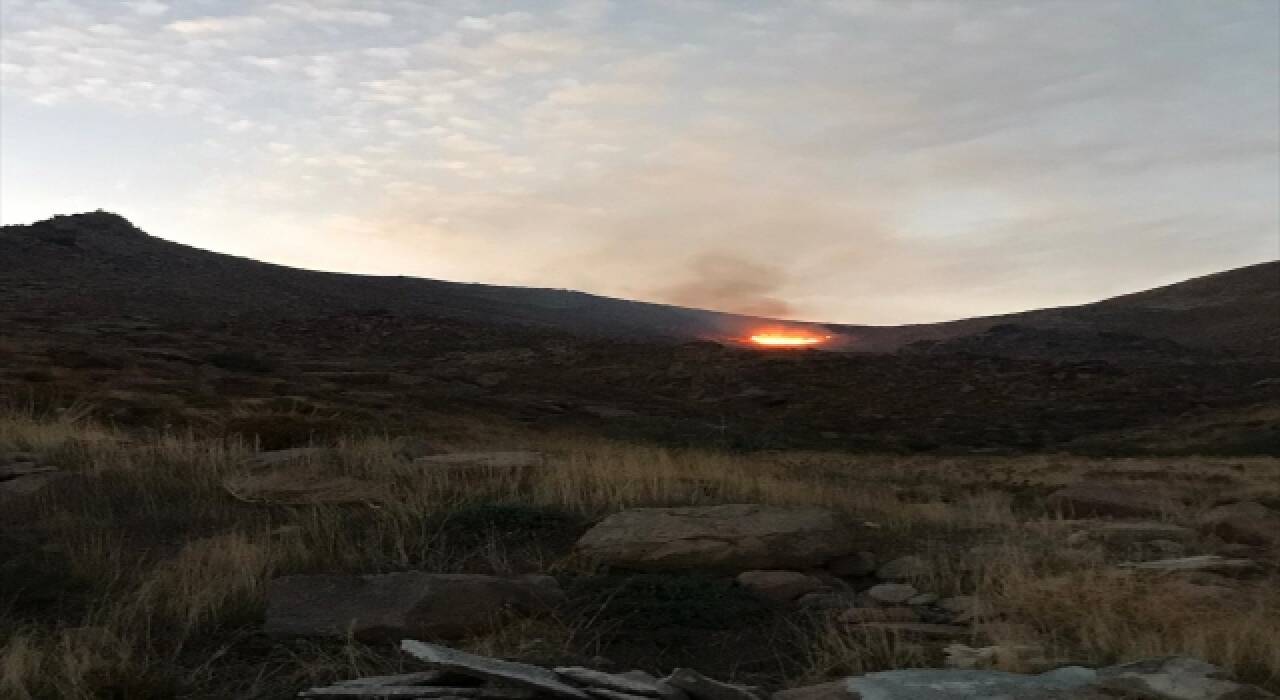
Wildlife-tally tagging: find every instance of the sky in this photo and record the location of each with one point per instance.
(859, 161)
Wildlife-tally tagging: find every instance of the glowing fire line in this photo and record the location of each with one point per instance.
(789, 340)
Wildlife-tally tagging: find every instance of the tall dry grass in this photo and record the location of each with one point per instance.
(176, 566)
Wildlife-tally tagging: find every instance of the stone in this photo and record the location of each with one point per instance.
(924, 599)
(855, 565)
(599, 679)
(1128, 533)
(1111, 499)
(408, 604)
(607, 694)
(836, 690)
(1211, 563)
(699, 687)
(1243, 523)
(523, 675)
(731, 538)
(905, 569)
(859, 616)
(1176, 678)
(508, 459)
(666, 691)
(892, 593)
(954, 684)
(779, 586)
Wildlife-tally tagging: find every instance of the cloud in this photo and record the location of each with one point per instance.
(858, 160)
(218, 25)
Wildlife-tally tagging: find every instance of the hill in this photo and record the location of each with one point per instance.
(98, 263)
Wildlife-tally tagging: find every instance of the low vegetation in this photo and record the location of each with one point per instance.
(142, 575)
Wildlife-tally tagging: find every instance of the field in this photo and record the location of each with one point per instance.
(142, 574)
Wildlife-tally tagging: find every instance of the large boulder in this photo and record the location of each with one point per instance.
(954, 684)
(1244, 523)
(1111, 499)
(730, 538)
(779, 586)
(1175, 678)
(398, 605)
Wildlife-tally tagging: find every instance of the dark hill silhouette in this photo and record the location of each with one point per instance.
(99, 264)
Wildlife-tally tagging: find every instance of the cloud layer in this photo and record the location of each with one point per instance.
(853, 160)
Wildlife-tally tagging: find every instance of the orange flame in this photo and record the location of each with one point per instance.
(788, 339)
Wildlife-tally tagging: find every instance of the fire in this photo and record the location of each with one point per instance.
(788, 339)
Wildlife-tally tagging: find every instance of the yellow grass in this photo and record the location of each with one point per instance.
(174, 558)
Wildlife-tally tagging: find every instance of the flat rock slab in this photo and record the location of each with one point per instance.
(609, 681)
(1176, 678)
(729, 538)
(892, 593)
(701, 687)
(922, 684)
(523, 675)
(408, 604)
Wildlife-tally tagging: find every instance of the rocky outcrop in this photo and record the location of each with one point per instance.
(409, 604)
(731, 538)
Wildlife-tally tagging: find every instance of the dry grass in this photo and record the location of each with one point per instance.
(172, 568)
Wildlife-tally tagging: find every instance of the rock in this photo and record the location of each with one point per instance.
(665, 690)
(779, 586)
(1207, 563)
(1243, 523)
(952, 684)
(892, 593)
(700, 687)
(510, 459)
(523, 675)
(630, 685)
(1109, 499)
(905, 569)
(859, 616)
(607, 694)
(1129, 533)
(924, 599)
(725, 538)
(1175, 678)
(392, 606)
(837, 690)
(855, 565)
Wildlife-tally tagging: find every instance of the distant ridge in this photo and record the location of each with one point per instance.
(100, 264)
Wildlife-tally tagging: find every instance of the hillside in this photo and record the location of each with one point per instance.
(98, 263)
